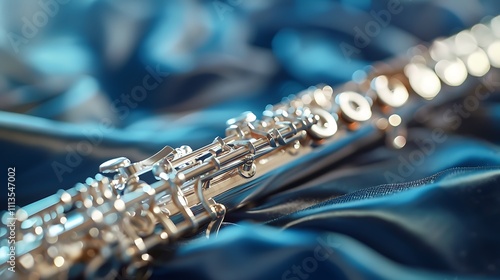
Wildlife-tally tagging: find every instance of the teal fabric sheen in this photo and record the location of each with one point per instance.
(103, 79)
(258, 252)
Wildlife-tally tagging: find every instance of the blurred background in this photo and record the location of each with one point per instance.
(129, 77)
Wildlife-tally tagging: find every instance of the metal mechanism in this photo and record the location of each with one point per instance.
(108, 225)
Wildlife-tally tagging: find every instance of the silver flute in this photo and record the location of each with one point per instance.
(111, 224)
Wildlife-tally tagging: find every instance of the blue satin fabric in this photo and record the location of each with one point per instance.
(379, 214)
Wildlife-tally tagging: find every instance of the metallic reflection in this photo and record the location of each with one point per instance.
(464, 43)
(391, 92)
(493, 52)
(423, 80)
(449, 67)
(478, 63)
(395, 120)
(399, 142)
(354, 106)
(486, 40)
(453, 73)
(467, 48)
(495, 26)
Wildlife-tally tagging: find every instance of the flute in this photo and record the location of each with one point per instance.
(111, 223)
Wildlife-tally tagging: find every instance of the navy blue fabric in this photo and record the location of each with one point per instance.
(101, 79)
